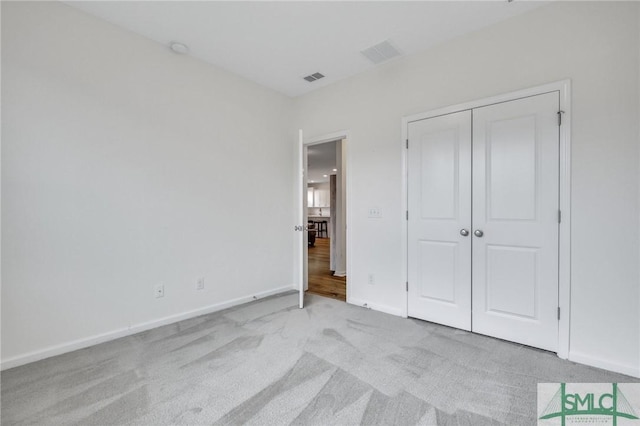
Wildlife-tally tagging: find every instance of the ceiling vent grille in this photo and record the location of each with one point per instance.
(381, 52)
(313, 77)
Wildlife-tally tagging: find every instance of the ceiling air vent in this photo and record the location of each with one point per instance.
(313, 77)
(381, 52)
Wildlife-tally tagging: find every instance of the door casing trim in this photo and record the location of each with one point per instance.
(564, 229)
(345, 136)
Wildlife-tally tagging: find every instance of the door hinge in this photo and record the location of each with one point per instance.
(558, 312)
(559, 216)
(407, 214)
(407, 285)
(407, 143)
(560, 117)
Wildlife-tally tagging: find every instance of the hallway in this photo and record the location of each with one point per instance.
(321, 280)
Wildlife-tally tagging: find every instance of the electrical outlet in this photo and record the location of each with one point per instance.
(200, 283)
(158, 290)
(371, 279)
(375, 212)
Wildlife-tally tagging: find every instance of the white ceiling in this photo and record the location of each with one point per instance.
(321, 160)
(276, 44)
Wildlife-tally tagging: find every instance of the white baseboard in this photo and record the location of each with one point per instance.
(376, 307)
(127, 331)
(340, 274)
(581, 358)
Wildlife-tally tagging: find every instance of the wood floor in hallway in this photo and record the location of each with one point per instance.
(321, 281)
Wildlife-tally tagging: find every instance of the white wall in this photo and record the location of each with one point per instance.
(594, 44)
(125, 165)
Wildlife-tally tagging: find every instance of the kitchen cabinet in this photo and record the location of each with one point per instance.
(310, 202)
(317, 197)
(321, 197)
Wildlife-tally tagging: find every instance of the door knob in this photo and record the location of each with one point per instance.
(464, 232)
(478, 233)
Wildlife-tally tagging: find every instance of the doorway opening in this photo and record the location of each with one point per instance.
(325, 209)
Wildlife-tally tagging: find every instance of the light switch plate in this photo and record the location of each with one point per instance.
(375, 212)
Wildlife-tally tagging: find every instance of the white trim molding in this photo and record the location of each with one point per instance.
(377, 307)
(564, 278)
(63, 348)
(582, 358)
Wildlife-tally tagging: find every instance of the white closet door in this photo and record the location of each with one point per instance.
(515, 207)
(439, 185)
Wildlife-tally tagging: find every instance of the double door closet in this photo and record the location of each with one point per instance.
(483, 219)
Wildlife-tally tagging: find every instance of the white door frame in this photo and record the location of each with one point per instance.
(301, 216)
(564, 249)
(330, 137)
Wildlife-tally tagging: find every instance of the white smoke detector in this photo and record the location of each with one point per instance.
(178, 47)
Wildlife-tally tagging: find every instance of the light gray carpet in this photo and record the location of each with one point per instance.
(270, 363)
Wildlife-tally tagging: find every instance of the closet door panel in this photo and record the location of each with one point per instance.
(439, 184)
(515, 216)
